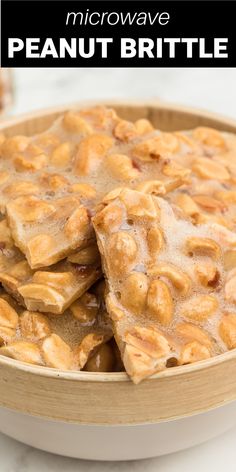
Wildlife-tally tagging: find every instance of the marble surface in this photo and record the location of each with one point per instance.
(217, 455)
(213, 89)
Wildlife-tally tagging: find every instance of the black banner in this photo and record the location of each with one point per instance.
(66, 33)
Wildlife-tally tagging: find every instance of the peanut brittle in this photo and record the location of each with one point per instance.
(50, 183)
(96, 148)
(52, 289)
(56, 288)
(48, 290)
(12, 261)
(73, 341)
(169, 296)
(208, 196)
(181, 183)
(48, 231)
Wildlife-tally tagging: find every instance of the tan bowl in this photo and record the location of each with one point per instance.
(90, 400)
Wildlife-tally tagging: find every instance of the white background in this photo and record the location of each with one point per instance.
(213, 89)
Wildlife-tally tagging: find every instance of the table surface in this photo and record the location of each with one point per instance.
(212, 89)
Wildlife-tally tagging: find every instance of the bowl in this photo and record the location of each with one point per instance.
(104, 416)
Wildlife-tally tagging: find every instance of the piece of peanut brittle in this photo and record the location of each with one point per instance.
(46, 231)
(52, 289)
(13, 265)
(165, 282)
(67, 342)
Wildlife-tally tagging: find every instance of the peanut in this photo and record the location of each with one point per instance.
(139, 205)
(61, 155)
(209, 137)
(22, 164)
(77, 226)
(155, 240)
(180, 280)
(227, 330)
(139, 365)
(83, 190)
(189, 332)
(143, 126)
(123, 251)
(115, 312)
(87, 348)
(39, 250)
(34, 326)
(136, 283)
(7, 335)
(154, 187)
(74, 123)
(102, 361)
(8, 316)
(187, 204)
(121, 167)
(125, 131)
(209, 203)
(207, 274)
(57, 353)
(90, 152)
(109, 219)
(160, 303)
(85, 309)
(14, 145)
(148, 340)
(23, 351)
(31, 209)
(194, 352)
(157, 147)
(208, 169)
(17, 189)
(203, 246)
(199, 307)
(172, 169)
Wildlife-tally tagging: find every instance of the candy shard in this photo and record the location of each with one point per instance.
(151, 291)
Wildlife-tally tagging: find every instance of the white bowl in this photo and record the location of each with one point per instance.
(117, 443)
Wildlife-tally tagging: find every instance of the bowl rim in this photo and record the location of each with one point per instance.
(108, 377)
(10, 120)
(44, 371)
